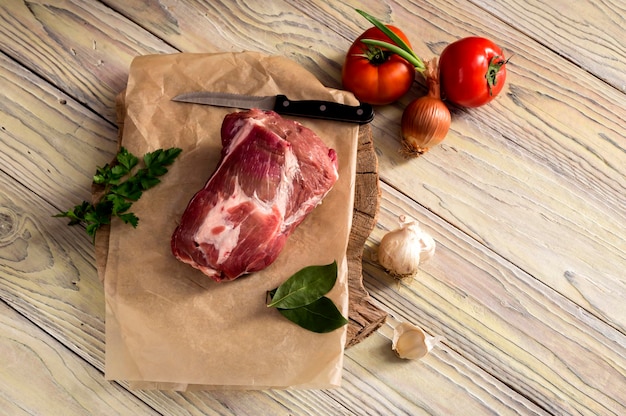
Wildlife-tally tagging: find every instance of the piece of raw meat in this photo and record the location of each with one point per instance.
(272, 173)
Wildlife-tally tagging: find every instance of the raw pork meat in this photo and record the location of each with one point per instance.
(272, 173)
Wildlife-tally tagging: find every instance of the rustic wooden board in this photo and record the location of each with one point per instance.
(535, 338)
(586, 32)
(365, 317)
(27, 351)
(511, 184)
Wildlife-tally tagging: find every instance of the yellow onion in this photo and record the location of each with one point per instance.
(426, 120)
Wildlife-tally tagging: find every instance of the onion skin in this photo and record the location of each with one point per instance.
(425, 123)
(426, 120)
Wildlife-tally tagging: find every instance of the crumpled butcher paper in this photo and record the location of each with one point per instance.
(170, 327)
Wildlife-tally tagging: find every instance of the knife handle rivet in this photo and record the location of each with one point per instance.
(359, 112)
(286, 103)
(322, 107)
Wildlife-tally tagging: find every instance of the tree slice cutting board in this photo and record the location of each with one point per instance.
(364, 316)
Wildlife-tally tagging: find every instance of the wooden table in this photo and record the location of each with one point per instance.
(525, 198)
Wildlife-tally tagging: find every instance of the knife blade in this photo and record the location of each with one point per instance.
(328, 110)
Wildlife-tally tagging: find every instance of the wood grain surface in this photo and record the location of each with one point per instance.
(525, 199)
(365, 316)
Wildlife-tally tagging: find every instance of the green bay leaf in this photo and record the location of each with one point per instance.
(320, 316)
(305, 287)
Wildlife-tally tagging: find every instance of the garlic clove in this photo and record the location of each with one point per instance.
(427, 247)
(410, 342)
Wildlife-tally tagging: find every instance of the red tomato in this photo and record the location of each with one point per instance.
(472, 71)
(375, 75)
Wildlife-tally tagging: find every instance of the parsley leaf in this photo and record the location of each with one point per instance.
(123, 184)
(127, 159)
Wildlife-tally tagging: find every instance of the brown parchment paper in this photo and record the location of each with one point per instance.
(167, 325)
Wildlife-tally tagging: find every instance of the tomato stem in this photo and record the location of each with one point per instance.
(390, 33)
(411, 58)
(376, 55)
(495, 65)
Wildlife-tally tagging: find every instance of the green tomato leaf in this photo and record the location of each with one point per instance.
(320, 316)
(417, 63)
(306, 286)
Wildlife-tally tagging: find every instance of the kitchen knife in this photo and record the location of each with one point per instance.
(328, 110)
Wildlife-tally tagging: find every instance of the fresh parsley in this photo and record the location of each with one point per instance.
(123, 183)
(301, 299)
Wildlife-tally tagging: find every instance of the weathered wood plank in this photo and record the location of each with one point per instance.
(276, 27)
(589, 33)
(48, 275)
(47, 272)
(57, 159)
(425, 387)
(81, 47)
(536, 341)
(35, 368)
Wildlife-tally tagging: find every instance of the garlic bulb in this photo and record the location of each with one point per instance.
(410, 342)
(401, 251)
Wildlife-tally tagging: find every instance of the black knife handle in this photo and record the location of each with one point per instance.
(327, 110)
